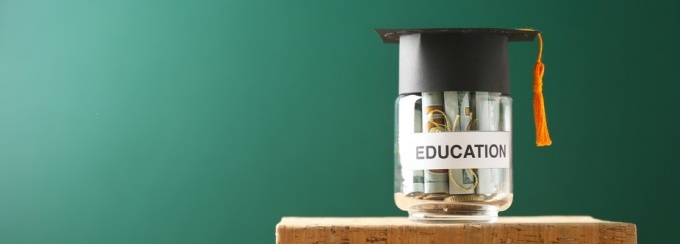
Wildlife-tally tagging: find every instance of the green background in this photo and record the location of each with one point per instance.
(207, 121)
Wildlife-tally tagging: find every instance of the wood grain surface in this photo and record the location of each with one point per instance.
(538, 229)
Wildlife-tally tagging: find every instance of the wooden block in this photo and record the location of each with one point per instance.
(541, 229)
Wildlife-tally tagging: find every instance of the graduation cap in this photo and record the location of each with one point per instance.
(464, 59)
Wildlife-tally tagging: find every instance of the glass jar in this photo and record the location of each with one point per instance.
(453, 155)
(453, 136)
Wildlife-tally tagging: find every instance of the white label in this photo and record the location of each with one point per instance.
(455, 150)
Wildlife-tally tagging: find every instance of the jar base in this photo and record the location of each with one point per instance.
(488, 216)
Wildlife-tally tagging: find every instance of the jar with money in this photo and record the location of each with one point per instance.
(453, 139)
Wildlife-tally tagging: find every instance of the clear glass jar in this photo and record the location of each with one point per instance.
(453, 155)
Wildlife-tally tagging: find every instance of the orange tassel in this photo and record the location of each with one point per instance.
(542, 134)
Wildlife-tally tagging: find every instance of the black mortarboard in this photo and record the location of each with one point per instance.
(454, 59)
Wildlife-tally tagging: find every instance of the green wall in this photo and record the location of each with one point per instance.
(207, 121)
